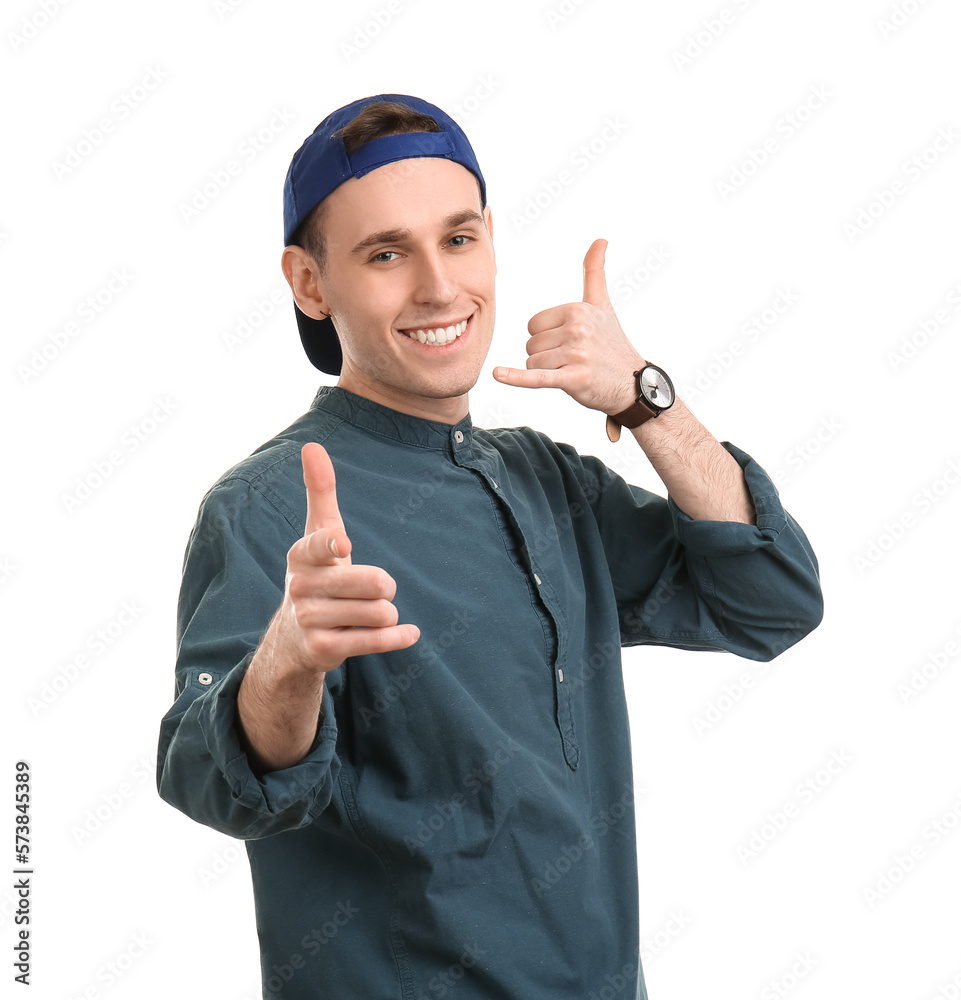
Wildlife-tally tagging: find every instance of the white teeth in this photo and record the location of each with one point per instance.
(440, 336)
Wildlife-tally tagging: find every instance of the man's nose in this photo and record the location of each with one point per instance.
(434, 281)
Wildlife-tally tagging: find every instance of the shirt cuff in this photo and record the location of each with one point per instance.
(721, 538)
(282, 799)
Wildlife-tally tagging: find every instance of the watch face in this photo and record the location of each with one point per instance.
(656, 387)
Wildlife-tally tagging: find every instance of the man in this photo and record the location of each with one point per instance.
(401, 686)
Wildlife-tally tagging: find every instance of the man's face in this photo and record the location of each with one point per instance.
(408, 250)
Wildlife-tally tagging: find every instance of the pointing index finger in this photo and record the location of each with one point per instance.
(321, 485)
(595, 280)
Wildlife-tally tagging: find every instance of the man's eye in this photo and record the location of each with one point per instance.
(382, 257)
(466, 239)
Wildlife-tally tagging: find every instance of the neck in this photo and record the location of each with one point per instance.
(443, 409)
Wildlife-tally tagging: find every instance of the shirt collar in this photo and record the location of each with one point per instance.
(393, 424)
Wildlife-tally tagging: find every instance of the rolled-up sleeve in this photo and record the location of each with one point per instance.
(749, 589)
(233, 579)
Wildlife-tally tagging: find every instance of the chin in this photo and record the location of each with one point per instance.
(452, 390)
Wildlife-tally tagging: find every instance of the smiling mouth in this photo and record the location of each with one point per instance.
(440, 335)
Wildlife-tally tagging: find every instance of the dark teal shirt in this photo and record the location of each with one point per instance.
(463, 825)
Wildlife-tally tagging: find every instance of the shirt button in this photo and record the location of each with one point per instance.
(459, 437)
(493, 484)
(560, 675)
(537, 580)
(205, 679)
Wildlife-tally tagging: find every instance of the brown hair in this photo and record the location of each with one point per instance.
(374, 122)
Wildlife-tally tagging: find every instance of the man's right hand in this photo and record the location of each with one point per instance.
(333, 609)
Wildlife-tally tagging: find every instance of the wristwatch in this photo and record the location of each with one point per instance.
(655, 394)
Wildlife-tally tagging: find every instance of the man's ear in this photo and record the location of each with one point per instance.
(489, 219)
(303, 276)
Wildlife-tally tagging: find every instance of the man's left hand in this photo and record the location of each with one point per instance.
(580, 347)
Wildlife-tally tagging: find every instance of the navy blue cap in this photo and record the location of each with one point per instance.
(322, 164)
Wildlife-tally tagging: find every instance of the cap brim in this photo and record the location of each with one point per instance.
(320, 342)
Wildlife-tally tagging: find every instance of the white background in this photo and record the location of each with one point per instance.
(856, 432)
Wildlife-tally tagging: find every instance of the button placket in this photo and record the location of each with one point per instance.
(549, 609)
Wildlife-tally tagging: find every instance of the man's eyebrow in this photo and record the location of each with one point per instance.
(459, 218)
(399, 235)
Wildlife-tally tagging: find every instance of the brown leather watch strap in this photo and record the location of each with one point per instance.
(635, 415)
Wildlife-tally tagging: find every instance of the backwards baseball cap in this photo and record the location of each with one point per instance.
(322, 164)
